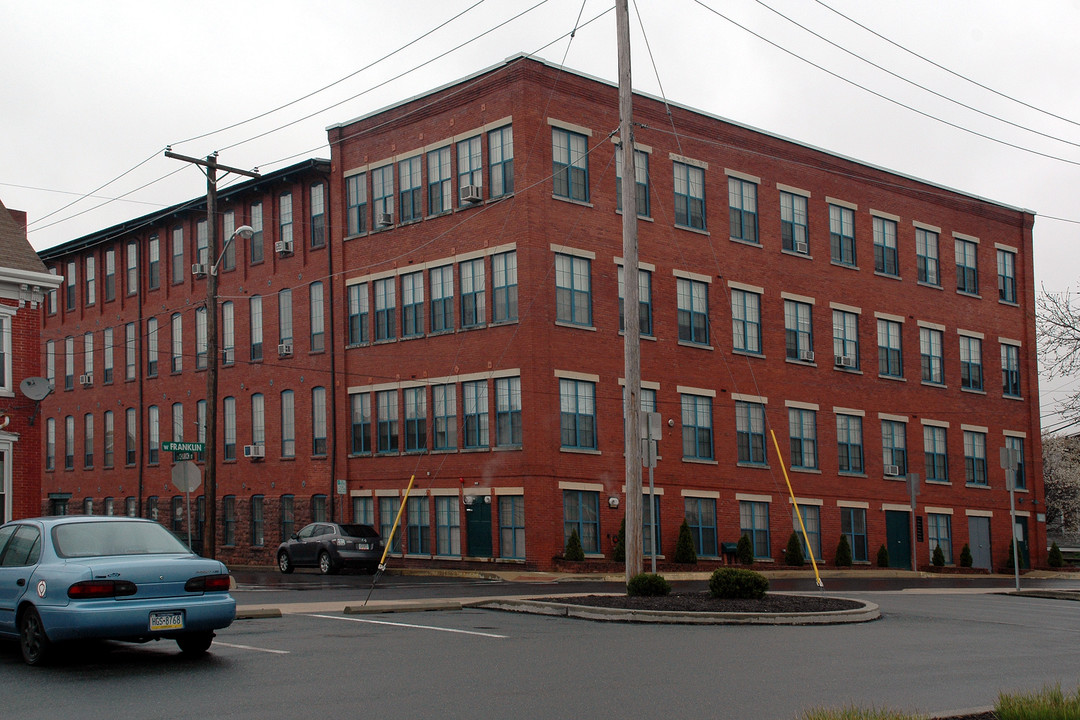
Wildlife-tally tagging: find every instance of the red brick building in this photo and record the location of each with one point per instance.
(878, 324)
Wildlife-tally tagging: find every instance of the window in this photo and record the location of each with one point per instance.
(886, 259)
(356, 204)
(1006, 270)
(440, 182)
(474, 395)
(750, 432)
(975, 457)
(573, 290)
(415, 419)
(842, 235)
(288, 516)
(650, 519)
(50, 297)
(318, 215)
(69, 288)
(971, 371)
(258, 419)
(153, 433)
(473, 313)
(1017, 444)
(229, 422)
(577, 402)
(802, 426)
(939, 532)
(746, 321)
(255, 244)
(178, 422)
(1010, 370)
(202, 246)
(385, 307)
(228, 255)
(849, 444)
(470, 164)
(88, 354)
(50, 444)
(200, 428)
(846, 339)
(256, 330)
(7, 384)
(442, 298)
(853, 525)
(50, 359)
(700, 514)
(508, 412)
(641, 181)
(132, 278)
(69, 363)
(570, 162)
(176, 514)
(90, 279)
(363, 512)
(742, 210)
(358, 314)
(258, 525)
(288, 424)
(926, 256)
(581, 513)
(505, 288)
(110, 275)
(69, 442)
(794, 227)
(360, 413)
(410, 189)
(754, 523)
(108, 453)
(931, 355)
(130, 436)
(418, 528)
(387, 405)
(967, 271)
(511, 526)
(811, 521)
(798, 330)
(228, 517)
(894, 447)
(693, 304)
(697, 436)
(88, 440)
(382, 193)
(200, 338)
(177, 357)
(318, 421)
(890, 349)
(285, 223)
(937, 458)
(644, 301)
(318, 317)
(444, 398)
(689, 196)
(177, 255)
(501, 161)
(388, 510)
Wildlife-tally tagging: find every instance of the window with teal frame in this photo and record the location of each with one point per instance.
(742, 206)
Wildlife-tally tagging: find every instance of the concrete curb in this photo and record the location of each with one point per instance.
(1073, 595)
(257, 613)
(411, 607)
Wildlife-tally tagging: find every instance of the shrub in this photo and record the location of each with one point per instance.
(684, 548)
(938, 558)
(843, 553)
(648, 585)
(744, 551)
(738, 583)
(1055, 559)
(883, 557)
(965, 556)
(573, 547)
(793, 555)
(619, 552)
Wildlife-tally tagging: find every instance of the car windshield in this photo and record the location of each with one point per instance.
(93, 539)
(359, 531)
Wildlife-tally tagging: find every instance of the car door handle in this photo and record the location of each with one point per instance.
(20, 582)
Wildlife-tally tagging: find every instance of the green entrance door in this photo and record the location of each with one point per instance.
(478, 525)
(898, 538)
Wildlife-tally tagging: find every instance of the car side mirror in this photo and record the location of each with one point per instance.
(295, 536)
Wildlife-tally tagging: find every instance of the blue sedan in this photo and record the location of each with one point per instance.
(119, 578)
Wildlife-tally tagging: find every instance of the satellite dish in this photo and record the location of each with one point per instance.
(36, 388)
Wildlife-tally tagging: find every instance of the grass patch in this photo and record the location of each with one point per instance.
(854, 713)
(1050, 703)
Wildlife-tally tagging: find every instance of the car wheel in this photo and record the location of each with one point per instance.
(195, 643)
(284, 562)
(326, 565)
(33, 641)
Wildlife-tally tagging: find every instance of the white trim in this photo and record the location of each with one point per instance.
(970, 334)
(565, 250)
(685, 390)
(742, 176)
(590, 487)
(801, 405)
(445, 492)
(848, 411)
(387, 493)
(930, 325)
(1007, 248)
(891, 318)
(979, 513)
(925, 226)
(617, 142)
(845, 308)
(934, 423)
(853, 504)
(1010, 341)
(793, 190)
(895, 507)
(975, 428)
(938, 510)
(687, 275)
(645, 384)
(747, 497)
(884, 215)
(1023, 513)
(572, 375)
(644, 491)
(710, 494)
(797, 298)
(1015, 434)
(806, 501)
(892, 418)
(688, 161)
(760, 399)
(432, 381)
(969, 238)
(562, 125)
(509, 491)
(360, 493)
(748, 288)
(841, 203)
(641, 265)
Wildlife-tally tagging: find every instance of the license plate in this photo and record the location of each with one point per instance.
(167, 620)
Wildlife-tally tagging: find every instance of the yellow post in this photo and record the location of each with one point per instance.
(390, 540)
(798, 513)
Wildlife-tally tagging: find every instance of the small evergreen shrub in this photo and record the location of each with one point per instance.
(1009, 562)
(965, 556)
(738, 583)
(619, 553)
(883, 557)
(684, 548)
(573, 548)
(648, 585)
(793, 555)
(843, 553)
(744, 551)
(1055, 559)
(938, 557)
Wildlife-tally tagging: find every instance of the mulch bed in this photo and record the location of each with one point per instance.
(705, 602)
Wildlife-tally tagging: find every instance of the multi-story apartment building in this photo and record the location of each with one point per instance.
(879, 325)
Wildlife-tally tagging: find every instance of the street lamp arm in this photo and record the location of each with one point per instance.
(244, 231)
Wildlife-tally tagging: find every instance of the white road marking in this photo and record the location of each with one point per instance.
(249, 647)
(409, 625)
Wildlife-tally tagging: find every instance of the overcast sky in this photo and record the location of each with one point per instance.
(93, 89)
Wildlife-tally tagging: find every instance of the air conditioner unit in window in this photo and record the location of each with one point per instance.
(802, 247)
(471, 193)
(86, 380)
(198, 269)
(892, 470)
(254, 451)
(806, 355)
(283, 247)
(284, 349)
(845, 361)
(384, 219)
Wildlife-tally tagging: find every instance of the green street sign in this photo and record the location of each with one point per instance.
(181, 456)
(192, 447)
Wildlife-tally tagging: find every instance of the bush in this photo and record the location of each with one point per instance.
(648, 585)
(619, 552)
(684, 548)
(1055, 559)
(793, 555)
(843, 553)
(737, 583)
(938, 558)
(573, 548)
(965, 556)
(744, 551)
(883, 557)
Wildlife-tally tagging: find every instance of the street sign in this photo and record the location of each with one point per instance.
(648, 453)
(179, 456)
(186, 476)
(649, 425)
(1010, 458)
(341, 486)
(173, 446)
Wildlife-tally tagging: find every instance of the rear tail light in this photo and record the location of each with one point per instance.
(100, 589)
(209, 583)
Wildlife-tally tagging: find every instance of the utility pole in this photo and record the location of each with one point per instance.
(631, 299)
(210, 167)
